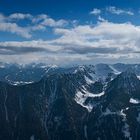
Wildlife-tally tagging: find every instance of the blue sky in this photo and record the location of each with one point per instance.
(70, 32)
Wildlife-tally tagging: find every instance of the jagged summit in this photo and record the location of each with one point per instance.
(126, 80)
(128, 72)
(128, 76)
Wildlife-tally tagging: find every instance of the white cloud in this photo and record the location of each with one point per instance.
(39, 18)
(118, 11)
(95, 11)
(60, 59)
(6, 25)
(106, 41)
(52, 23)
(15, 29)
(20, 16)
(103, 38)
(36, 23)
(45, 20)
(101, 19)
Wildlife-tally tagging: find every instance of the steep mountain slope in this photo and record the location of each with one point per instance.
(117, 116)
(77, 103)
(43, 110)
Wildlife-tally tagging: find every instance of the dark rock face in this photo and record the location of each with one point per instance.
(72, 105)
(43, 110)
(117, 117)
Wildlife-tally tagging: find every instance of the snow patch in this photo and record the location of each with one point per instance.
(125, 128)
(89, 81)
(114, 70)
(80, 68)
(89, 94)
(134, 101)
(138, 77)
(21, 83)
(82, 95)
(80, 98)
(108, 112)
(126, 131)
(2, 66)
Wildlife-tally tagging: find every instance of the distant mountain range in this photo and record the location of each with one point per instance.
(86, 102)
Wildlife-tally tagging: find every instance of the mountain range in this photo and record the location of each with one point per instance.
(83, 102)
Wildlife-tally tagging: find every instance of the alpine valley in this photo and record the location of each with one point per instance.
(84, 102)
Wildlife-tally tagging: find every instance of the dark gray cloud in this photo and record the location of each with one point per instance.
(10, 50)
(86, 50)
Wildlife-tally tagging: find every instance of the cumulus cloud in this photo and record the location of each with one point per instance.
(105, 41)
(41, 20)
(20, 16)
(95, 11)
(36, 23)
(105, 38)
(15, 29)
(12, 27)
(103, 32)
(45, 20)
(118, 11)
(52, 23)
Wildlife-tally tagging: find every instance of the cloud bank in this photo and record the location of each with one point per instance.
(103, 41)
(72, 43)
